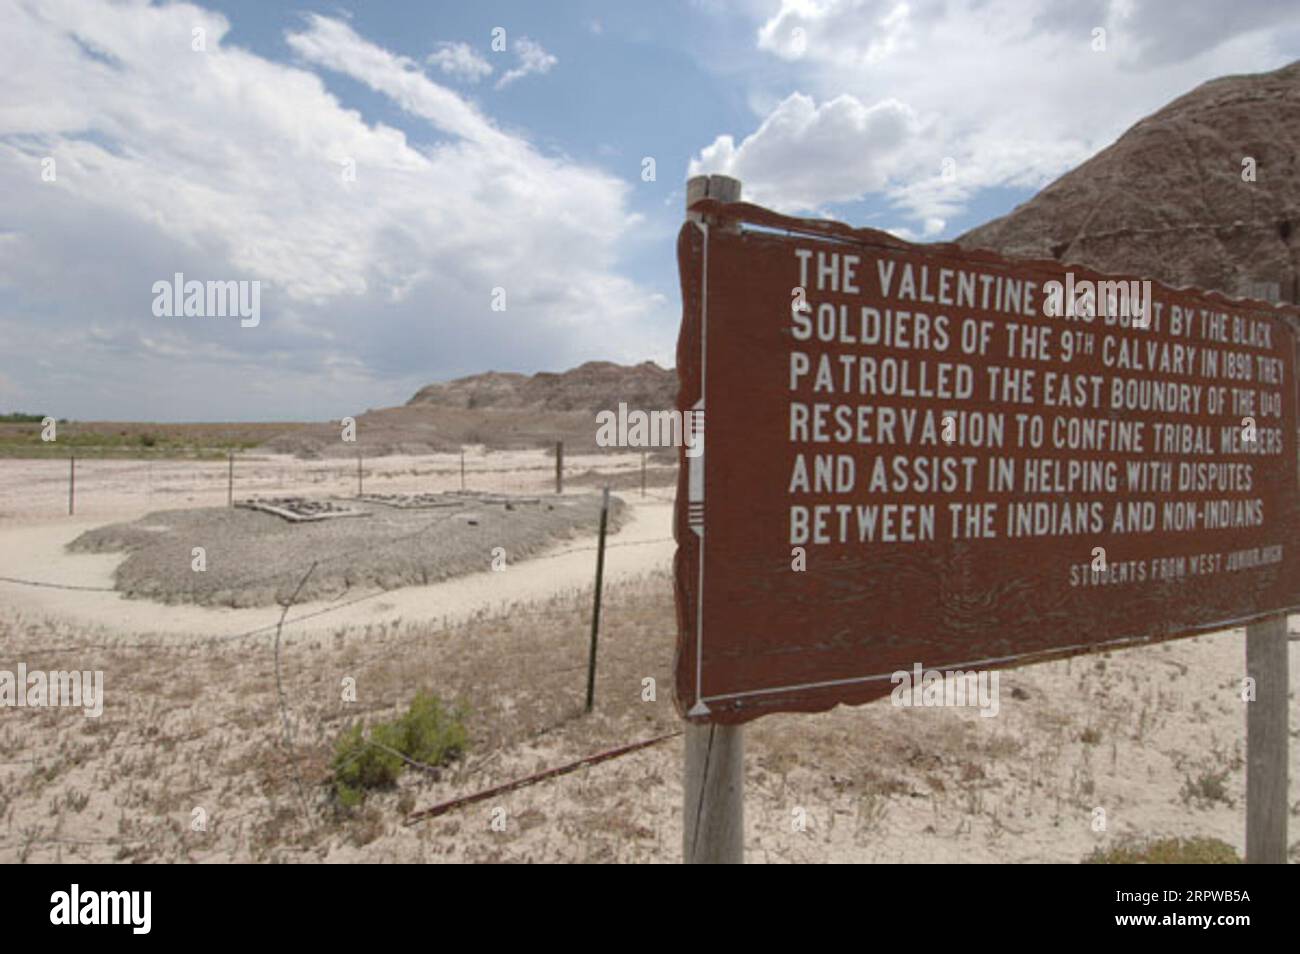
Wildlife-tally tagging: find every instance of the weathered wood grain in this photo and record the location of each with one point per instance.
(860, 612)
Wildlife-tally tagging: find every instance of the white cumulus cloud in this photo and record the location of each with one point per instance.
(532, 59)
(377, 253)
(1011, 92)
(804, 154)
(461, 61)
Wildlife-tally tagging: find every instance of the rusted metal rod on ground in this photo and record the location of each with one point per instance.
(518, 783)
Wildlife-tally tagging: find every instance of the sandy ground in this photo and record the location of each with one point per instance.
(1153, 736)
(33, 540)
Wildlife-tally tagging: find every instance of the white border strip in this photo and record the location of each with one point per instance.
(699, 462)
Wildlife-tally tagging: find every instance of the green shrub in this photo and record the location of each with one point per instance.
(1167, 851)
(429, 732)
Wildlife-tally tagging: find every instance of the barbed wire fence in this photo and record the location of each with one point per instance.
(328, 478)
(78, 483)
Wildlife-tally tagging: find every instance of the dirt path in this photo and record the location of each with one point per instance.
(36, 552)
(32, 545)
(1153, 735)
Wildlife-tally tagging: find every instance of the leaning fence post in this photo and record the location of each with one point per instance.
(595, 610)
(713, 784)
(559, 467)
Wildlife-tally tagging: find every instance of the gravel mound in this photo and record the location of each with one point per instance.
(254, 558)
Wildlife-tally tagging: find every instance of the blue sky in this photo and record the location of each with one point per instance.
(519, 169)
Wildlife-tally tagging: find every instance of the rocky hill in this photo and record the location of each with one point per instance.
(1168, 200)
(589, 387)
(501, 410)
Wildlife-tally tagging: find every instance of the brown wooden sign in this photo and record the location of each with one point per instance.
(922, 455)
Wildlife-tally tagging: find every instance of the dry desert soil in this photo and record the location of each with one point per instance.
(217, 712)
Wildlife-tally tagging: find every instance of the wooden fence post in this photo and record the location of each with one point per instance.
(713, 784)
(72, 481)
(595, 609)
(559, 467)
(230, 481)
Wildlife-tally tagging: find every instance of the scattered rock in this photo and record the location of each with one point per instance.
(1167, 200)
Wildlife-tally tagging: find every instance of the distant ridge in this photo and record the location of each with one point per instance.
(498, 409)
(588, 387)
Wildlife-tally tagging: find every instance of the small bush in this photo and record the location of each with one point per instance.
(1209, 788)
(430, 733)
(1167, 851)
(359, 766)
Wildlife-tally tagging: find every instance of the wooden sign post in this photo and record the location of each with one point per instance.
(1267, 742)
(1267, 727)
(713, 813)
(927, 457)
